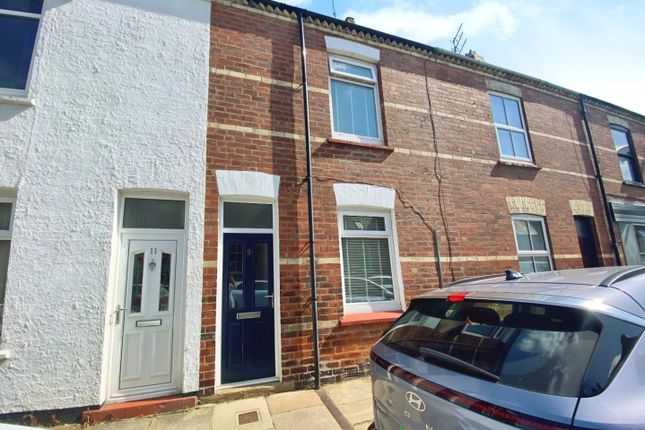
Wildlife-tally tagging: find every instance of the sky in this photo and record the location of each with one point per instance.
(596, 47)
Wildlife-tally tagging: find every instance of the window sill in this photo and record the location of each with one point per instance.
(15, 100)
(369, 318)
(512, 163)
(371, 146)
(634, 184)
(5, 354)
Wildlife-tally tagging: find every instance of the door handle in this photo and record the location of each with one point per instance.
(117, 311)
(270, 296)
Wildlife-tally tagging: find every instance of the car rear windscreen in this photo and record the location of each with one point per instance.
(535, 347)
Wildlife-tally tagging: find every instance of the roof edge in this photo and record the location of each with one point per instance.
(277, 8)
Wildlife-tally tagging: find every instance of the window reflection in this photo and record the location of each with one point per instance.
(164, 284)
(545, 349)
(137, 283)
(261, 274)
(235, 287)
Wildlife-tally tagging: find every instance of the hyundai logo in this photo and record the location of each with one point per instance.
(415, 401)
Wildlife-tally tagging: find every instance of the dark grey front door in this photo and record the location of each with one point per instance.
(248, 348)
(584, 229)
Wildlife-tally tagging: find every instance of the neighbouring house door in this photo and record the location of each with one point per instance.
(248, 348)
(586, 240)
(148, 314)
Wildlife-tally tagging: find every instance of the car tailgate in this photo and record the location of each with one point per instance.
(447, 400)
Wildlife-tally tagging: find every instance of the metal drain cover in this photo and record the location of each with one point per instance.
(248, 417)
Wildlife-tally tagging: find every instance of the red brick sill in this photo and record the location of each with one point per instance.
(371, 146)
(369, 318)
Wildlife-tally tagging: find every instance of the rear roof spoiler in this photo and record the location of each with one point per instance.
(622, 275)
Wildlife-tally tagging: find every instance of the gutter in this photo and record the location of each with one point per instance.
(601, 182)
(310, 206)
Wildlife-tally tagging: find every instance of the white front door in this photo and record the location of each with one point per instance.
(147, 315)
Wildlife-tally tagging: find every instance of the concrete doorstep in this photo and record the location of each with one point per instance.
(343, 406)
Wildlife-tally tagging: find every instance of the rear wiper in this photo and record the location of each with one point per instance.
(449, 359)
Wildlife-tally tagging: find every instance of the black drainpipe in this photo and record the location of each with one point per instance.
(437, 253)
(310, 206)
(601, 182)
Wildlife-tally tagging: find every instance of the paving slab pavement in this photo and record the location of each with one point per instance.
(199, 418)
(194, 419)
(357, 412)
(133, 424)
(246, 414)
(351, 401)
(311, 418)
(290, 410)
(291, 400)
(342, 406)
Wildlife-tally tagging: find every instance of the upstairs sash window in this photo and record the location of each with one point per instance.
(509, 125)
(355, 104)
(19, 21)
(627, 158)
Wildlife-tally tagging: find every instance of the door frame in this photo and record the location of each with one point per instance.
(117, 297)
(274, 231)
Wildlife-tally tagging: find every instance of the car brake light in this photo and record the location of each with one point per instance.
(457, 297)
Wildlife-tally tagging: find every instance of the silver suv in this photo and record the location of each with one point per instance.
(548, 351)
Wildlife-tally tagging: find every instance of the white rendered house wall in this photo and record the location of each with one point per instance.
(120, 102)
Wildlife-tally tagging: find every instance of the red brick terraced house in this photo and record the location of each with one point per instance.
(427, 167)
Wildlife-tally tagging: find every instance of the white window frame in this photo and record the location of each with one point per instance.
(152, 195)
(20, 14)
(6, 234)
(361, 81)
(632, 157)
(390, 234)
(536, 253)
(641, 252)
(511, 128)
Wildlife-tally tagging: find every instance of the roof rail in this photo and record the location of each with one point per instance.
(474, 279)
(621, 276)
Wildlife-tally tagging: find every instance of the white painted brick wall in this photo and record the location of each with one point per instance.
(121, 102)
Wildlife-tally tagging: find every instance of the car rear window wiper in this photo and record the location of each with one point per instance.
(449, 359)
